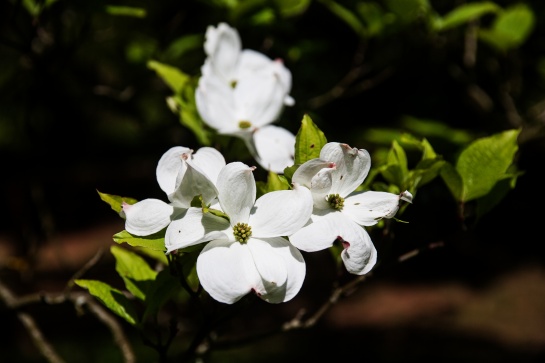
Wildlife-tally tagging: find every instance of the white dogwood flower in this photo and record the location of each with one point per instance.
(339, 212)
(251, 254)
(182, 175)
(240, 92)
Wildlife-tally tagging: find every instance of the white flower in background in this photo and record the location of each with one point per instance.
(227, 61)
(251, 254)
(242, 91)
(339, 212)
(182, 175)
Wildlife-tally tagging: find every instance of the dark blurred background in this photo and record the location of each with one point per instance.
(80, 111)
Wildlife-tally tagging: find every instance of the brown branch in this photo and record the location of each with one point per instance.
(45, 348)
(78, 299)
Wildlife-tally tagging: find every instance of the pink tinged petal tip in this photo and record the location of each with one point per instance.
(346, 244)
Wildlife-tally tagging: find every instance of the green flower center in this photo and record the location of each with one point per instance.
(244, 124)
(233, 83)
(335, 201)
(242, 232)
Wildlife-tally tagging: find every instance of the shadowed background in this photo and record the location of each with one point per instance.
(80, 111)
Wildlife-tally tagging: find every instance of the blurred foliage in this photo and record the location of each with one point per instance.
(94, 92)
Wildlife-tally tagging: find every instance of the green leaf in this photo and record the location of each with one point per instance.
(465, 13)
(115, 201)
(308, 141)
(510, 29)
(484, 162)
(126, 11)
(164, 288)
(396, 170)
(155, 241)
(452, 179)
(112, 298)
(134, 270)
(424, 172)
(289, 8)
(173, 77)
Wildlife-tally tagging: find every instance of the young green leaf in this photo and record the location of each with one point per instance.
(308, 141)
(173, 77)
(115, 201)
(112, 298)
(163, 288)
(134, 270)
(126, 11)
(155, 241)
(484, 162)
(465, 13)
(511, 28)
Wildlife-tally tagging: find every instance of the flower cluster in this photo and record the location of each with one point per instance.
(253, 244)
(256, 247)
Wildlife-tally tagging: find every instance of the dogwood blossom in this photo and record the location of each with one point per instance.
(339, 212)
(250, 252)
(182, 175)
(240, 92)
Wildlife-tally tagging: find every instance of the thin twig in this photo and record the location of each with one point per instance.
(45, 348)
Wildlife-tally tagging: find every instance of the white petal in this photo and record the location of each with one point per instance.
(275, 148)
(210, 161)
(252, 64)
(291, 262)
(352, 166)
(259, 99)
(194, 227)
(406, 196)
(319, 234)
(359, 255)
(193, 183)
(367, 208)
(270, 266)
(226, 270)
(304, 173)
(237, 191)
(169, 166)
(147, 216)
(281, 213)
(223, 46)
(216, 104)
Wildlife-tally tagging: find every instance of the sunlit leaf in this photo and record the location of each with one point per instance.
(465, 13)
(484, 162)
(112, 298)
(511, 28)
(126, 11)
(308, 141)
(116, 201)
(173, 77)
(155, 241)
(289, 8)
(134, 270)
